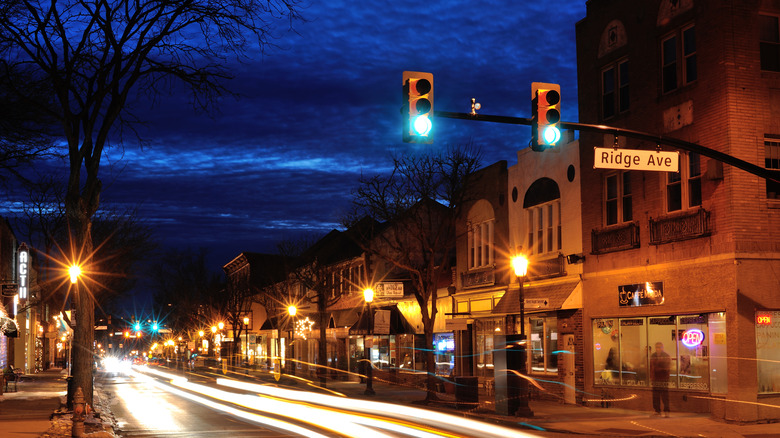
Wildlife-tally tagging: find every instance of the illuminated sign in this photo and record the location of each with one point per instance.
(692, 338)
(764, 319)
(23, 261)
(642, 294)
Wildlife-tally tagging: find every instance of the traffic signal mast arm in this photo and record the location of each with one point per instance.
(657, 139)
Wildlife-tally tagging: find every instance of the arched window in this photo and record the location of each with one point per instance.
(542, 205)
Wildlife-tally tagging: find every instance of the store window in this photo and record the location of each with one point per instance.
(626, 351)
(543, 344)
(768, 351)
(444, 353)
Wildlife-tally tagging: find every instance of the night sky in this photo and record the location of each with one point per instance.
(322, 108)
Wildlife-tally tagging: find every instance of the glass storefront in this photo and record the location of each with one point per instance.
(768, 351)
(543, 344)
(623, 349)
(484, 331)
(444, 353)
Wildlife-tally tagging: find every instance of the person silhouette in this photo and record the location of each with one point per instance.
(660, 367)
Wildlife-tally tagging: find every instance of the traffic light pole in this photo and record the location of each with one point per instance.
(759, 171)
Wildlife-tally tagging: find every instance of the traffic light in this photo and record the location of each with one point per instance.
(545, 115)
(138, 326)
(418, 107)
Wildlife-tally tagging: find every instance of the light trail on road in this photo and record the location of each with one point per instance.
(330, 414)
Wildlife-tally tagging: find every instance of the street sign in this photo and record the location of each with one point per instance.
(635, 159)
(390, 289)
(536, 302)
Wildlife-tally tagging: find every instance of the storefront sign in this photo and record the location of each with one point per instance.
(23, 262)
(763, 319)
(390, 289)
(641, 294)
(692, 338)
(453, 324)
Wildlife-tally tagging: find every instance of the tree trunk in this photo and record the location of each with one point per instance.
(322, 351)
(430, 365)
(83, 333)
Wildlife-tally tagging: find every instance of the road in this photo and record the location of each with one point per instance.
(152, 402)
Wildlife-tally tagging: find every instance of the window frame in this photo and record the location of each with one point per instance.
(550, 363)
(617, 95)
(481, 241)
(680, 68)
(769, 47)
(687, 180)
(622, 197)
(772, 162)
(544, 228)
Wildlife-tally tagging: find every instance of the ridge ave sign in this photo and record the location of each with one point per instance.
(635, 159)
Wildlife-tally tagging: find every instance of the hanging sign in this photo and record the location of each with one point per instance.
(24, 256)
(635, 159)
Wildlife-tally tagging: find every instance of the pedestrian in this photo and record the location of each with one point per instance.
(660, 367)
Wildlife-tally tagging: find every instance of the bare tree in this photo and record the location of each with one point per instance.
(418, 205)
(92, 55)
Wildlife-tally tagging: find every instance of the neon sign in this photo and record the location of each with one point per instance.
(692, 338)
(23, 260)
(764, 319)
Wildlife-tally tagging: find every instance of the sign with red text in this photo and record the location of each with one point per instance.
(635, 159)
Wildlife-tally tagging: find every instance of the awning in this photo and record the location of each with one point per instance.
(548, 297)
(398, 324)
(343, 318)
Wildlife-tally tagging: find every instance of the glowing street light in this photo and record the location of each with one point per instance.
(368, 297)
(75, 272)
(246, 339)
(520, 265)
(292, 311)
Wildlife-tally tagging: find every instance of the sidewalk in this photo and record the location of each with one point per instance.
(37, 408)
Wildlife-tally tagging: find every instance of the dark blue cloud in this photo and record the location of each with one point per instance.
(322, 108)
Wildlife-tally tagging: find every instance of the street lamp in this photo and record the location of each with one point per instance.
(75, 272)
(368, 296)
(291, 310)
(520, 265)
(246, 339)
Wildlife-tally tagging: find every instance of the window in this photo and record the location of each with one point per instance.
(544, 228)
(543, 344)
(481, 245)
(768, 351)
(614, 90)
(618, 206)
(772, 161)
(769, 42)
(683, 189)
(625, 349)
(680, 46)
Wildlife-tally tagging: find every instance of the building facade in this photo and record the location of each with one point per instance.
(687, 260)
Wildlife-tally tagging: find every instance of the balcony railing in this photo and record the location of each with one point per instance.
(615, 238)
(689, 225)
(478, 277)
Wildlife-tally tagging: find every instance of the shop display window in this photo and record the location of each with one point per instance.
(484, 330)
(626, 351)
(768, 351)
(444, 353)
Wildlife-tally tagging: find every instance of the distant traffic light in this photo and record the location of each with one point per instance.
(138, 326)
(155, 327)
(418, 107)
(545, 115)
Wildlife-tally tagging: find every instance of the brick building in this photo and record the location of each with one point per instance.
(688, 259)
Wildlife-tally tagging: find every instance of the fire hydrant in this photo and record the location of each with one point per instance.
(79, 412)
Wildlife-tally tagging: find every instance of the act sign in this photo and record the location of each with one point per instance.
(635, 159)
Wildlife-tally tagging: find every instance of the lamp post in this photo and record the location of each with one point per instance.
(291, 310)
(520, 265)
(213, 339)
(368, 296)
(246, 340)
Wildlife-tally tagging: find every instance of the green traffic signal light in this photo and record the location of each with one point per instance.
(418, 107)
(545, 115)
(137, 326)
